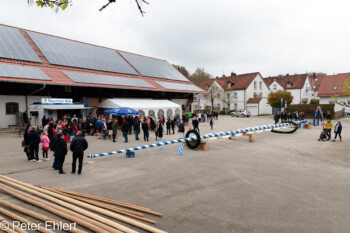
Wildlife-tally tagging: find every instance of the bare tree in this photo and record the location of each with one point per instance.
(63, 4)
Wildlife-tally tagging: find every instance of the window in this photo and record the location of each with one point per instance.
(235, 95)
(274, 87)
(11, 108)
(289, 84)
(335, 87)
(255, 85)
(218, 95)
(235, 106)
(67, 89)
(260, 85)
(314, 87)
(331, 102)
(348, 101)
(228, 96)
(229, 84)
(316, 80)
(218, 105)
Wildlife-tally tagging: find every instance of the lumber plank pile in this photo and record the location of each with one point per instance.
(92, 213)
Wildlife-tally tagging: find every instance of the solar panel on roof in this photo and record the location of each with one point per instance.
(104, 79)
(153, 68)
(14, 46)
(178, 86)
(12, 71)
(74, 54)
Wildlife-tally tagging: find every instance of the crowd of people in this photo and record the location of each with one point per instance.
(54, 135)
(288, 116)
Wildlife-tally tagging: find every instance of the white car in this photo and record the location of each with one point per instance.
(241, 113)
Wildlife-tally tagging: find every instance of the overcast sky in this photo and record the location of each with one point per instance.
(268, 36)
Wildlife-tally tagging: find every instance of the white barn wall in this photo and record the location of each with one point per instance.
(7, 120)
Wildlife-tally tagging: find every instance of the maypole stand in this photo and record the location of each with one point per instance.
(130, 154)
(203, 145)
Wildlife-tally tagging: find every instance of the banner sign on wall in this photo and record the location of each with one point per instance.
(56, 101)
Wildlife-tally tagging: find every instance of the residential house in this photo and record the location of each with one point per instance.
(333, 86)
(244, 91)
(298, 85)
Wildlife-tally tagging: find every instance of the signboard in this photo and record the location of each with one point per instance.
(198, 100)
(56, 101)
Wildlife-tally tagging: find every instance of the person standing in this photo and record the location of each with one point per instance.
(25, 118)
(182, 130)
(337, 131)
(34, 141)
(211, 123)
(173, 122)
(60, 149)
(168, 126)
(78, 146)
(125, 130)
(195, 124)
(26, 143)
(145, 128)
(104, 129)
(276, 117)
(45, 141)
(137, 126)
(114, 129)
(160, 130)
(82, 126)
(43, 121)
(329, 126)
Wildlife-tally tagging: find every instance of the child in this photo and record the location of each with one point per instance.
(45, 145)
(337, 130)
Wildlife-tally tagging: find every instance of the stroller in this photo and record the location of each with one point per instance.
(323, 135)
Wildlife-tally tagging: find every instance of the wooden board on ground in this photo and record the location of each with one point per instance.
(202, 146)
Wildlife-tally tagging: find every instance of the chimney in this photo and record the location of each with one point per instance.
(287, 74)
(314, 75)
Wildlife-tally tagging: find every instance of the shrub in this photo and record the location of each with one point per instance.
(313, 101)
(309, 109)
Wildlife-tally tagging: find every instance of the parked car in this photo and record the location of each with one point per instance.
(240, 113)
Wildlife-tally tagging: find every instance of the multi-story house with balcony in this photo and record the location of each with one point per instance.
(298, 85)
(244, 91)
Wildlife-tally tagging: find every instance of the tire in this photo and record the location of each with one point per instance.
(198, 141)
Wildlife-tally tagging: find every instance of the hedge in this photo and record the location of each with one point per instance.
(309, 109)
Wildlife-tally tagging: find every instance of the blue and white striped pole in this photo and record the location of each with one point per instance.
(190, 139)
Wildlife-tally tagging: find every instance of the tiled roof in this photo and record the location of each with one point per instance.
(254, 100)
(328, 84)
(58, 78)
(238, 82)
(316, 81)
(297, 81)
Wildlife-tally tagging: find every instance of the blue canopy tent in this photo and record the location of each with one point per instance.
(122, 111)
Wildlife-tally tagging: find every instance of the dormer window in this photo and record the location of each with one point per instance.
(335, 87)
(314, 87)
(316, 80)
(229, 85)
(289, 84)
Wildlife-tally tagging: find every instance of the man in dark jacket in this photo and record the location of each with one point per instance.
(60, 149)
(195, 124)
(137, 126)
(125, 130)
(34, 141)
(78, 146)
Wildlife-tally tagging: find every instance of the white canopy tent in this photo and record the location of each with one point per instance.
(145, 107)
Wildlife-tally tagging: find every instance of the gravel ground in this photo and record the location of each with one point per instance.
(279, 183)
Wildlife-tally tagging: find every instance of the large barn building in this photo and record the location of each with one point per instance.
(36, 68)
